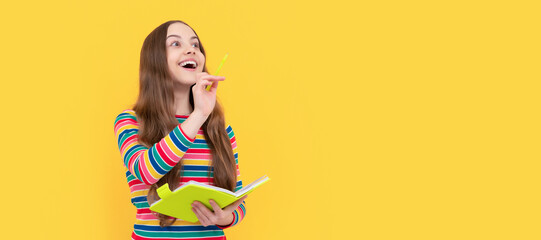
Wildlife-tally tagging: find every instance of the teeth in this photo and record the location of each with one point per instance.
(188, 62)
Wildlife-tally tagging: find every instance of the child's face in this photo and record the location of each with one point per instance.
(181, 44)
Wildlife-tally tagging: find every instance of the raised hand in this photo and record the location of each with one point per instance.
(204, 100)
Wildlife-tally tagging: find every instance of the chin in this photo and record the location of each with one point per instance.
(185, 81)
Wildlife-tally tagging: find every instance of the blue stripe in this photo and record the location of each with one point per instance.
(136, 169)
(230, 135)
(129, 153)
(196, 168)
(243, 208)
(200, 141)
(139, 199)
(130, 177)
(127, 132)
(132, 150)
(175, 228)
(236, 218)
(154, 162)
(124, 116)
(176, 141)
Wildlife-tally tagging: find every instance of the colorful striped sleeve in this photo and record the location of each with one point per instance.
(148, 164)
(240, 212)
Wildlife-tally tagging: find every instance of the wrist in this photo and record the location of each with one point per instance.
(199, 115)
(192, 124)
(226, 221)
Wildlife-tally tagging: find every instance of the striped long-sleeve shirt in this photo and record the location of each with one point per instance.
(145, 166)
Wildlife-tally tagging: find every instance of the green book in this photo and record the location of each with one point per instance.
(177, 203)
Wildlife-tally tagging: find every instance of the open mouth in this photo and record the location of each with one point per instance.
(188, 65)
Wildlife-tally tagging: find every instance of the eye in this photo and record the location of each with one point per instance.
(175, 42)
(195, 45)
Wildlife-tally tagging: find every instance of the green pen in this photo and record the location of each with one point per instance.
(218, 70)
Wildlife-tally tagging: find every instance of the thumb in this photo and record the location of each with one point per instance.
(214, 87)
(236, 204)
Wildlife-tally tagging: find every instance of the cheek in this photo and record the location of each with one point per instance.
(172, 63)
(203, 60)
(172, 67)
(171, 60)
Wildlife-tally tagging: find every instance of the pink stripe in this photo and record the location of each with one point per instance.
(139, 187)
(147, 178)
(127, 144)
(145, 216)
(134, 181)
(131, 163)
(195, 156)
(123, 123)
(167, 150)
(163, 155)
(241, 213)
(201, 181)
(129, 123)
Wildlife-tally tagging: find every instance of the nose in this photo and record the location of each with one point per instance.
(190, 50)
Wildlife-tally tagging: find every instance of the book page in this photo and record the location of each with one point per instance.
(251, 186)
(211, 187)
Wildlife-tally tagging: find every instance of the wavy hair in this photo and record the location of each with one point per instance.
(156, 117)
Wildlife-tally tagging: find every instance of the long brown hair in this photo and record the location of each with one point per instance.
(156, 116)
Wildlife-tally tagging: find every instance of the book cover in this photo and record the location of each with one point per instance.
(177, 203)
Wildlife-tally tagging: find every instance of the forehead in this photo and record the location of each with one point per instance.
(181, 30)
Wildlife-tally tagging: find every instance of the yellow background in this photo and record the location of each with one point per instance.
(374, 119)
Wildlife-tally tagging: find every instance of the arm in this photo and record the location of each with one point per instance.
(150, 164)
(240, 211)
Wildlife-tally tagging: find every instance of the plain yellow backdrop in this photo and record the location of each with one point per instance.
(373, 119)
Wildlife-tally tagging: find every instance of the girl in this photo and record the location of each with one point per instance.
(175, 133)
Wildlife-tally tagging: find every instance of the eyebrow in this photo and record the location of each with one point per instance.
(180, 37)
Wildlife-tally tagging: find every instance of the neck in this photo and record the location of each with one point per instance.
(182, 99)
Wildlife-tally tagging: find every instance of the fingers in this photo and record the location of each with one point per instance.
(219, 78)
(204, 79)
(239, 202)
(217, 209)
(206, 82)
(205, 216)
(202, 218)
(213, 81)
(208, 76)
(203, 83)
(236, 204)
(214, 87)
(204, 75)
